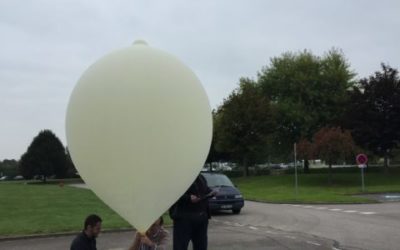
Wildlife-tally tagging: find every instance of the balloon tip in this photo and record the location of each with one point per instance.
(140, 42)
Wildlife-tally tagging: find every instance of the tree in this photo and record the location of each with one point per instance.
(8, 167)
(332, 145)
(243, 123)
(304, 149)
(71, 169)
(309, 92)
(373, 114)
(214, 155)
(45, 156)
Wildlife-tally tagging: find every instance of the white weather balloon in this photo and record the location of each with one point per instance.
(138, 128)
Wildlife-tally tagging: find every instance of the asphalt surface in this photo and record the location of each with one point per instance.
(366, 226)
(275, 226)
(221, 237)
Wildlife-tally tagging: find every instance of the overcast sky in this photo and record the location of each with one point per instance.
(46, 45)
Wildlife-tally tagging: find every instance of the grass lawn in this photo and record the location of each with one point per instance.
(314, 188)
(48, 208)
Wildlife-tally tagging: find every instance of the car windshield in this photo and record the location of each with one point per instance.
(217, 180)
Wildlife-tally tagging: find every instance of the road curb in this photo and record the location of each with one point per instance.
(54, 235)
(313, 203)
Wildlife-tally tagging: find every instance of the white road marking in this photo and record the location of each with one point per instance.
(227, 223)
(367, 213)
(334, 248)
(238, 225)
(253, 228)
(270, 232)
(350, 211)
(313, 243)
(290, 237)
(334, 209)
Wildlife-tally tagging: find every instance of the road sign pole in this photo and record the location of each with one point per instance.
(295, 171)
(362, 160)
(362, 179)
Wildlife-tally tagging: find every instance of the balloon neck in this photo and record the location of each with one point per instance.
(140, 42)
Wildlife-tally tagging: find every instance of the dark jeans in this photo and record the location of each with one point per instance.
(191, 228)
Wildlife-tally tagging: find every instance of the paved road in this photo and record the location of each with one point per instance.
(278, 227)
(367, 226)
(221, 237)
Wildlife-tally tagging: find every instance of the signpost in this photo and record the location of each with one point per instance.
(362, 160)
(295, 170)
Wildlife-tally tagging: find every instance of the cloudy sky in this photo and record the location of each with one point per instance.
(46, 45)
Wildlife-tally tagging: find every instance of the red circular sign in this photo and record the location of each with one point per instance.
(361, 159)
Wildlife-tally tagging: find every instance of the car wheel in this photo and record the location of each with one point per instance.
(236, 211)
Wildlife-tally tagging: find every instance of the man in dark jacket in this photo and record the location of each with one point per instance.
(86, 240)
(190, 215)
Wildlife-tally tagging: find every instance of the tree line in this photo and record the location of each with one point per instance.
(314, 101)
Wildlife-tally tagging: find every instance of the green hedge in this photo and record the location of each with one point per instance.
(263, 172)
(345, 170)
(233, 174)
(239, 173)
(290, 171)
